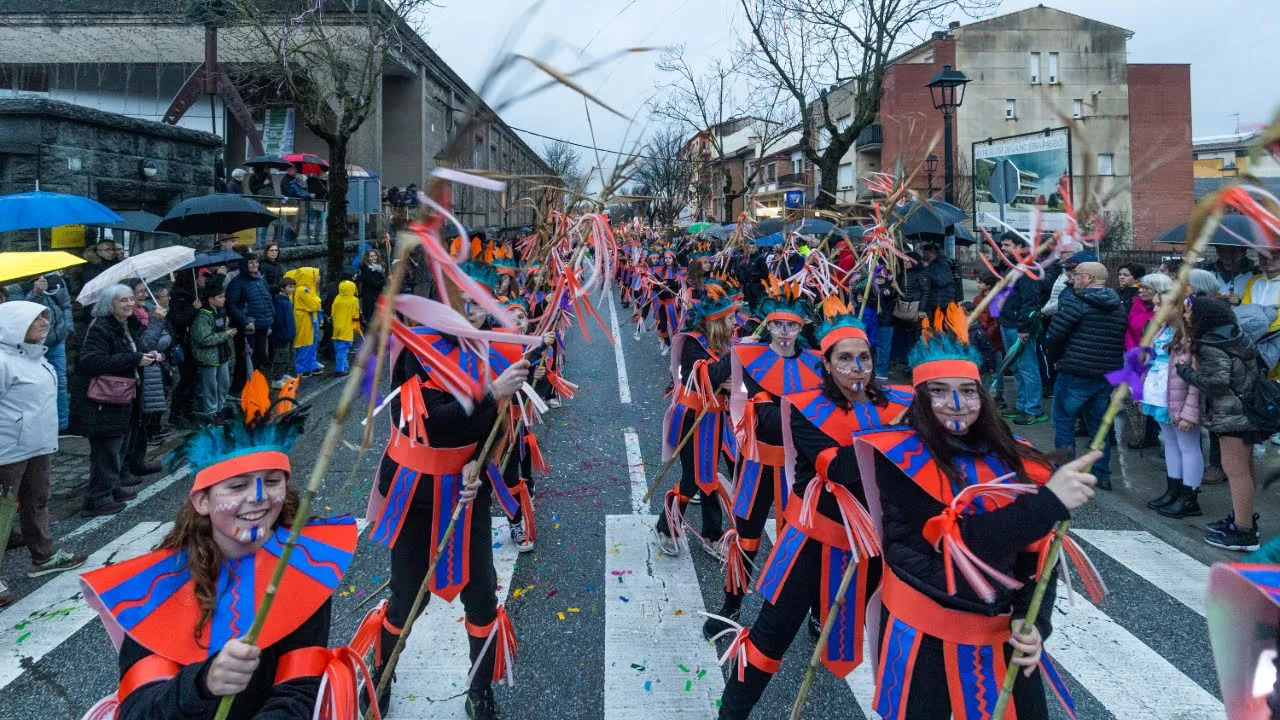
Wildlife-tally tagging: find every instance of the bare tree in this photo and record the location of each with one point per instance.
(666, 175)
(326, 59)
(826, 53)
(566, 164)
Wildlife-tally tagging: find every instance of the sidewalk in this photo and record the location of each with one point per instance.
(71, 472)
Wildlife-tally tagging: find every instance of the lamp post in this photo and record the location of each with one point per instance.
(930, 167)
(943, 91)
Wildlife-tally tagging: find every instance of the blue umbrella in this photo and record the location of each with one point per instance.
(28, 211)
(720, 232)
(770, 240)
(814, 226)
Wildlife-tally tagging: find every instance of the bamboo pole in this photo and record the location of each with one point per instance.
(1118, 396)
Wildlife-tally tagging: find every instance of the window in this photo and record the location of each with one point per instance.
(1106, 164)
(1010, 109)
(1077, 108)
(797, 162)
(1053, 68)
(771, 174)
(846, 176)
(844, 122)
(1035, 68)
(24, 79)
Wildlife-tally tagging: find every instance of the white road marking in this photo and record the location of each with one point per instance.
(431, 675)
(635, 472)
(624, 387)
(1179, 575)
(1133, 681)
(33, 626)
(656, 663)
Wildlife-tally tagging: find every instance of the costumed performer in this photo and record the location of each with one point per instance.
(665, 281)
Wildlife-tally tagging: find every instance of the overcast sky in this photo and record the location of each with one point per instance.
(1229, 43)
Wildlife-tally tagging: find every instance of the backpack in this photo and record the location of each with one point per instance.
(1262, 404)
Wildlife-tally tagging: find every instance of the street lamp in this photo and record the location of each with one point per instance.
(942, 89)
(930, 167)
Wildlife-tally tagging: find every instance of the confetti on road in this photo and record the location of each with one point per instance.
(561, 616)
(623, 598)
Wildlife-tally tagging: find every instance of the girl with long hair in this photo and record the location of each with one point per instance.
(964, 511)
(666, 295)
(826, 525)
(177, 615)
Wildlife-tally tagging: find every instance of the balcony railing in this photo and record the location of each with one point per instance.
(793, 180)
(871, 137)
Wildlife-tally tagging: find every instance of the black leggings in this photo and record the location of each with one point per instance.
(410, 558)
(712, 515)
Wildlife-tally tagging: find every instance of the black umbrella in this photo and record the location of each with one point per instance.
(1235, 230)
(212, 258)
(916, 217)
(215, 215)
(275, 162)
(855, 232)
(815, 227)
(134, 221)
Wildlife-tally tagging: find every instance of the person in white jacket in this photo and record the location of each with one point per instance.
(29, 432)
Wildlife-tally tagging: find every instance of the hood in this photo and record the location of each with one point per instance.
(1103, 298)
(305, 277)
(15, 317)
(346, 289)
(1231, 340)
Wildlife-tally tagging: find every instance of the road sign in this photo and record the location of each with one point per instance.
(1005, 182)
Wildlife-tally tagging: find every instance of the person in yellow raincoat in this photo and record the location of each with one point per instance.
(306, 316)
(345, 312)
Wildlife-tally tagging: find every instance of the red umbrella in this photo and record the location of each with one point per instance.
(308, 164)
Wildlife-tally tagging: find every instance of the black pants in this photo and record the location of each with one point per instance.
(929, 699)
(519, 465)
(106, 461)
(135, 455)
(410, 558)
(256, 342)
(182, 404)
(712, 515)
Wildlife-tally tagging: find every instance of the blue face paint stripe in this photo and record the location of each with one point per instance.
(955, 398)
(259, 489)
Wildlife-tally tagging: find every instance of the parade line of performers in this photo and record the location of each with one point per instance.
(944, 516)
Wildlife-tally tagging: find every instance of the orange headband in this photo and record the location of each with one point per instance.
(841, 333)
(722, 314)
(253, 462)
(783, 315)
(936, 369)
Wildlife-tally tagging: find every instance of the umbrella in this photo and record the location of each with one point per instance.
(698, 227)
(133, 221)
(1236, 230)
(854, 232)
(215, 214)
(308, 163)
(355, 171)
(274, 162)
(935, 217)
(769, 227)
(215, 257)
(769, 240)
(147, 266)
(813, 226)
(28, 211)
(18, 265)
(720, 232)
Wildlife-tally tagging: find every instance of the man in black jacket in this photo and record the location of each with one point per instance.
(1017, 320)
(1086, 340)
(751, 269)
(940, 287)
(249, 305)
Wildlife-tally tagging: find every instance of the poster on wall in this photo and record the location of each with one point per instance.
(277, 132)
(1039, 161)
(67, 237)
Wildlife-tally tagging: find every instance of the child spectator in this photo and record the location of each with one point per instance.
(211, 342)
(283, 329)
(306, 318)
(345, 312)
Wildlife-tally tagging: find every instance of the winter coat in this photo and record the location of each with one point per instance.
(260, 184)
(28, 388)
(272, 272)
(1184, 398)
(1021, 305)
(294, 188)
(57, 300)
(108, 349)
(210, 343)
(235, 187)
(1140, 314)
(345, 312)
(1128, 295)
(1227, 368)
(939, 286)
(913, 283)
(1086, 337)
(306, 304)
(371, 279)
(283, 329)
(990, 325)
(155, 336)
(249, 301)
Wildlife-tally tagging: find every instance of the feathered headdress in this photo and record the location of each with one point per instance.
(714, 305)
(257, 439)
(729, 283)
(944, 350)
(839, 322)
(700, 250)
(504, 260)
(783, 301)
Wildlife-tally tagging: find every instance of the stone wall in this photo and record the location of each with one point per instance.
(82, 151)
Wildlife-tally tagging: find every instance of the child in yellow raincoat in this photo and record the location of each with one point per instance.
(345, 312)
(306, 316)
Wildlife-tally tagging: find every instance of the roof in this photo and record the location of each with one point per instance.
(1040, 7)
(1204, 186)
(1231, 141)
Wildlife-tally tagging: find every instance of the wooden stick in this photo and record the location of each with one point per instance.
(1118, 396)
(674, 456)
(1008, 279)
(845, 580)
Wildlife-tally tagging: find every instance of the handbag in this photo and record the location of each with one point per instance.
(909, 311)
(112, 389)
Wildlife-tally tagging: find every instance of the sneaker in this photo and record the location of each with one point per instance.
(553, 403)
(1027, 419)
(666, 543)
(696, 499)
(7, 598)
(59, 562)
(481, 705)
(666, 350)
(1013, 413)
(110, 507)
(1221, 526)
(1235, 538)
(714, 626)
(815, 627)
(384, 700)
(636, 337)
(277, 384)
(341, 373)
(522, 542)
(713, 547)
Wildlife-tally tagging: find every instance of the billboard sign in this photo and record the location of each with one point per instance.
(1040, 160)
(794, 198)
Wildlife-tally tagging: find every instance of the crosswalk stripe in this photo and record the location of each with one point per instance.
(33, 626)
(655, 660)
(431, 675)
(635, 472)
(1133, 681)
(144, 495)
(1181, 576)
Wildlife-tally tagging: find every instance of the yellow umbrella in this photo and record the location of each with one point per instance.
(18, 265)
